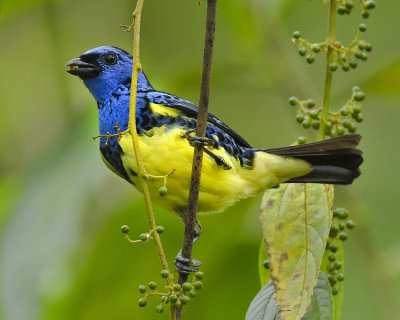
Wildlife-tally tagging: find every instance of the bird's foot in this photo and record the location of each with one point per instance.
(184, 265)
(195, 141)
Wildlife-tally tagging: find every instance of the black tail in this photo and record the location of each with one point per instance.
(333, 161)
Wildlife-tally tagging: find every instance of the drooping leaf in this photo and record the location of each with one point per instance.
(263, 306)
(295, 220)
(263, 272)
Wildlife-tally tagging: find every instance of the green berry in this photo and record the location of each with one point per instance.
(178, 304)
(364, 56)
(343, 214)
(341, 10)
(173, 298)
(362, 27)
(362, 46)
(365, 14)
(335, 228)
(333, 247)
(152, 285)
(310, 59)
(332, 279)
(340, 130)
(359, 118)
(370, 4)
(164, 299)
(337, 44)
(357, 108)
(356, 88)
(358, 54)
(315, 124)
(177, 287)
(125, 228)
(144, 237)
(300, 140)
(335, 291)
(293, 101)
(192, 293)
(142, 289)
(164, 274)
(297, 34)
(315, 47)
(344, 111)
(340, 277)
(343, 236)
(359, 96)
(302, 51)
(199, 275)
(160, 229)
(328, 125)
(333, 66)
(332, 257)
(337, 265)
(162, 191)
(353, 64)
(352, 128)
(160, 309)
(187, 286)
(368, 47)
(309, 103)
(299, 118)
(142, 302)
(350, 224)
(342, 225)
(185, 299)
(306, 123)
(345, 67)
(346, 123)
(198, 285)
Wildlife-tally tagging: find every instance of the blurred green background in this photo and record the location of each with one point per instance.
(61, 250)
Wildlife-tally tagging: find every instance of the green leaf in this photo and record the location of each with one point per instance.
(295, 220)
(264, 273)
(263, 306)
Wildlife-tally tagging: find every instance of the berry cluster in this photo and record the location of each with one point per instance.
(345, 57)
(340, 224)
(143, 237)
(346, 6)
(178, 295)
(338, 123)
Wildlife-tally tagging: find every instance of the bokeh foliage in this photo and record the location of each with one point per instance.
(61, 251)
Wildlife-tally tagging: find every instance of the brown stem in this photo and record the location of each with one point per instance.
(190, 218)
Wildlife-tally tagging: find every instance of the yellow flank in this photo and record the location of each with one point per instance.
(165, 111)
(166, 149)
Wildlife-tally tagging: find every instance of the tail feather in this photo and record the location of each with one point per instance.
(333, 161)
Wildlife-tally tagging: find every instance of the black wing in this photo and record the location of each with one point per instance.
(191, 110)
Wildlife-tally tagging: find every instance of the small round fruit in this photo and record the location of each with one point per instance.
(142, 289)
(125, 228)
(343, 236)
(173, 298)
(164, 274)
(142, 302)
(160, 229)
(160, 309)
(199, 275)
(350, 224)
(162, 191)
(152, 285)
(185, 299)
(198, 285)
(177, 287)
(187, 286)
(144, 237)
(192, 293)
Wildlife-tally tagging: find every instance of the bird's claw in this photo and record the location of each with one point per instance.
(195, 141)
(184, 265)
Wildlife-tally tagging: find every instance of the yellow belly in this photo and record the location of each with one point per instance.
(166, 149)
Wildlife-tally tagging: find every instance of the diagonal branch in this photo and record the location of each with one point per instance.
(190, 218)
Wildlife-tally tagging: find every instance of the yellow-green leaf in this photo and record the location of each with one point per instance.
(295, 219)
(263, 272)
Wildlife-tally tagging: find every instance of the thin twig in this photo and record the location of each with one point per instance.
(137, 15)
(190, 218)
(328, 74)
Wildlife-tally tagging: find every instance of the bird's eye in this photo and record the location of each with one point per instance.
(109, 58)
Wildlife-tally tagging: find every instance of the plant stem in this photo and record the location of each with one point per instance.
(329, 73)
(190, 218)
(137, 15)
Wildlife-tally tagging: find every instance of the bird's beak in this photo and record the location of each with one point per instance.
(83, 69)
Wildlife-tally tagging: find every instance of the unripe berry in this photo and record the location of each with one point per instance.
(160, 229)
(192, 293)
(293, 101)
(337, 265)
(335, 228)
(345, 67)
(364, 56)
(340, 277)
(142, 289)
(162, 191)
(177, 287)
(359, 96)
(332, 257)
(343, 236)
(164, 299)
(370, 4)
(309, 103)
(198, 285)
(342, 225)
(333, 66)
(173, 298)
(125, 228)
(164, 274)
(316, 48)
(302, 51)
(185, 299)
(353, 64)
(299, 118)
(315, 124)
(306, 123)
(144, 237)
(297, 34)
(344, 111)
(160, 309)
(365, 14)
(310, 59)
(199, 275)
(142, 302)
(335, 291)
(300, 140)
(152, 285)
(362, 27)
(178, 304)
(333, 247)
(368, 47)
(187, 286)
(350, 224)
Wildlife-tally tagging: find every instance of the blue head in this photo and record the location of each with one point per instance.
(104, 70)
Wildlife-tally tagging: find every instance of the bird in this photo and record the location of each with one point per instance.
(232, 169)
